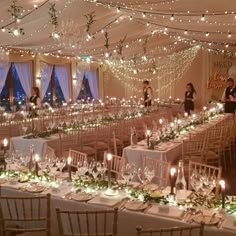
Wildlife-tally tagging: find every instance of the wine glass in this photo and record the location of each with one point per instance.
(149, 173)
(128, 172)
(195, 181)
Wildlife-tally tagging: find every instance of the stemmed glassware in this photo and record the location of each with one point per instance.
(208, 183)
(196, 181)
(146, 175)
(128, 172)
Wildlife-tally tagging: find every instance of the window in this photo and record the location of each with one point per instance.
(13, 92)
(54, 92)
(85, 91)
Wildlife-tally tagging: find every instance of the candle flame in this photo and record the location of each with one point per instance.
(69, 160)
(5, 142)
(109, 156)
(172, 171)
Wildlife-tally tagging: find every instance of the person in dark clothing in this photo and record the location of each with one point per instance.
(147, 93)
(229, 96)
(34, 101)
(189, 98)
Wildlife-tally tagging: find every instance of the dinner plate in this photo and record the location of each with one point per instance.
(2, 181)
(80, 196)
(34, 188)
(206, 219)
(136, 205)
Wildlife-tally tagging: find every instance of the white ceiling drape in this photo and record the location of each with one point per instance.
(4, 68)
(46, 73)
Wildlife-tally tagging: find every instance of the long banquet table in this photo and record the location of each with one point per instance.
(168, 151)
(127, 220)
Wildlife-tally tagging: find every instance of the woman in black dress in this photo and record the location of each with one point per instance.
(34, 101)
(190, 97)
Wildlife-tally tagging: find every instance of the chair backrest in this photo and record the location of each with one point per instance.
(117, 163)
(162, 170)
(173, 231)
(77, 156)
(25, 214)
(207, 169)
(85, 223)
(50, 153)
(193, 148)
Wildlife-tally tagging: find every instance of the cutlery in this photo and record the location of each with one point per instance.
(220, 222)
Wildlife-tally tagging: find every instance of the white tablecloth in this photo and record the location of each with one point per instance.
(22, 144)
(127, 220)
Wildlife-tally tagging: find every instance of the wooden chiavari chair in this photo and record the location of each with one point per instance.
(194, 230)
(206, 169)
(25, 214)
(87, 223)
(162, 170)
(117, 164)
(77, 157)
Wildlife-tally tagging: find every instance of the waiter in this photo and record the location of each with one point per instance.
(147, 93)
(229, 96)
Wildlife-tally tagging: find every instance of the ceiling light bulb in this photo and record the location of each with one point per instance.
(227, 45)
(118, 10)
(144, 14)
(131, 17)
(229, 35)
(35, 5)
(3, 30)
(203, 17)
(16, 32)
(185, 32)
(106, 54)
(172, 17)
(17, 20)
(207, 34)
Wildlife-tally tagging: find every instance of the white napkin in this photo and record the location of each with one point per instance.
(105, 201)
(229, 224)
(172, 212)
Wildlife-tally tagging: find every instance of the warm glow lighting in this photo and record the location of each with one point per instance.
(203, 17)
(36, 158)
(5, 142)
(172, 171)
(69, 160)
(204, 108)
(160, 121)
(222, 184)
(185, 114)
(149, 133)
(109, 156)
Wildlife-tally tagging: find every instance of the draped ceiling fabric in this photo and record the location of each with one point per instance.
(45, 75)
(24, 71)
(137, 35)
(4, 68)
(63, 75)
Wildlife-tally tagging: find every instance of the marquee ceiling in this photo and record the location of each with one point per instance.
(148, 28)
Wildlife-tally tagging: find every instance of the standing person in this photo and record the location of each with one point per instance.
(34, 101)
(147, 93)
(229, 96)
(190, 97)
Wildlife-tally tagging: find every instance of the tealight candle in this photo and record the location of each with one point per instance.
(69, 160)
(172, 174)
(222, 185)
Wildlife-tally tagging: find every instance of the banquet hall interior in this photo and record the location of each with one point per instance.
(118, 117)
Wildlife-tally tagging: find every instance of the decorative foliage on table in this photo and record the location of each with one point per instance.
(137, 193)
(211, 201)
(24, 176)
(43, 134)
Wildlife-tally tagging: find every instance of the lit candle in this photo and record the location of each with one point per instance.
(36, 158)
(5, 143)
(222, 185)
(172, 125)
(109, 159)
(160, 121)
(148, 136)
(69, 160)
(204, 108)
(172, 174)
(185, 114)
(194, 116)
